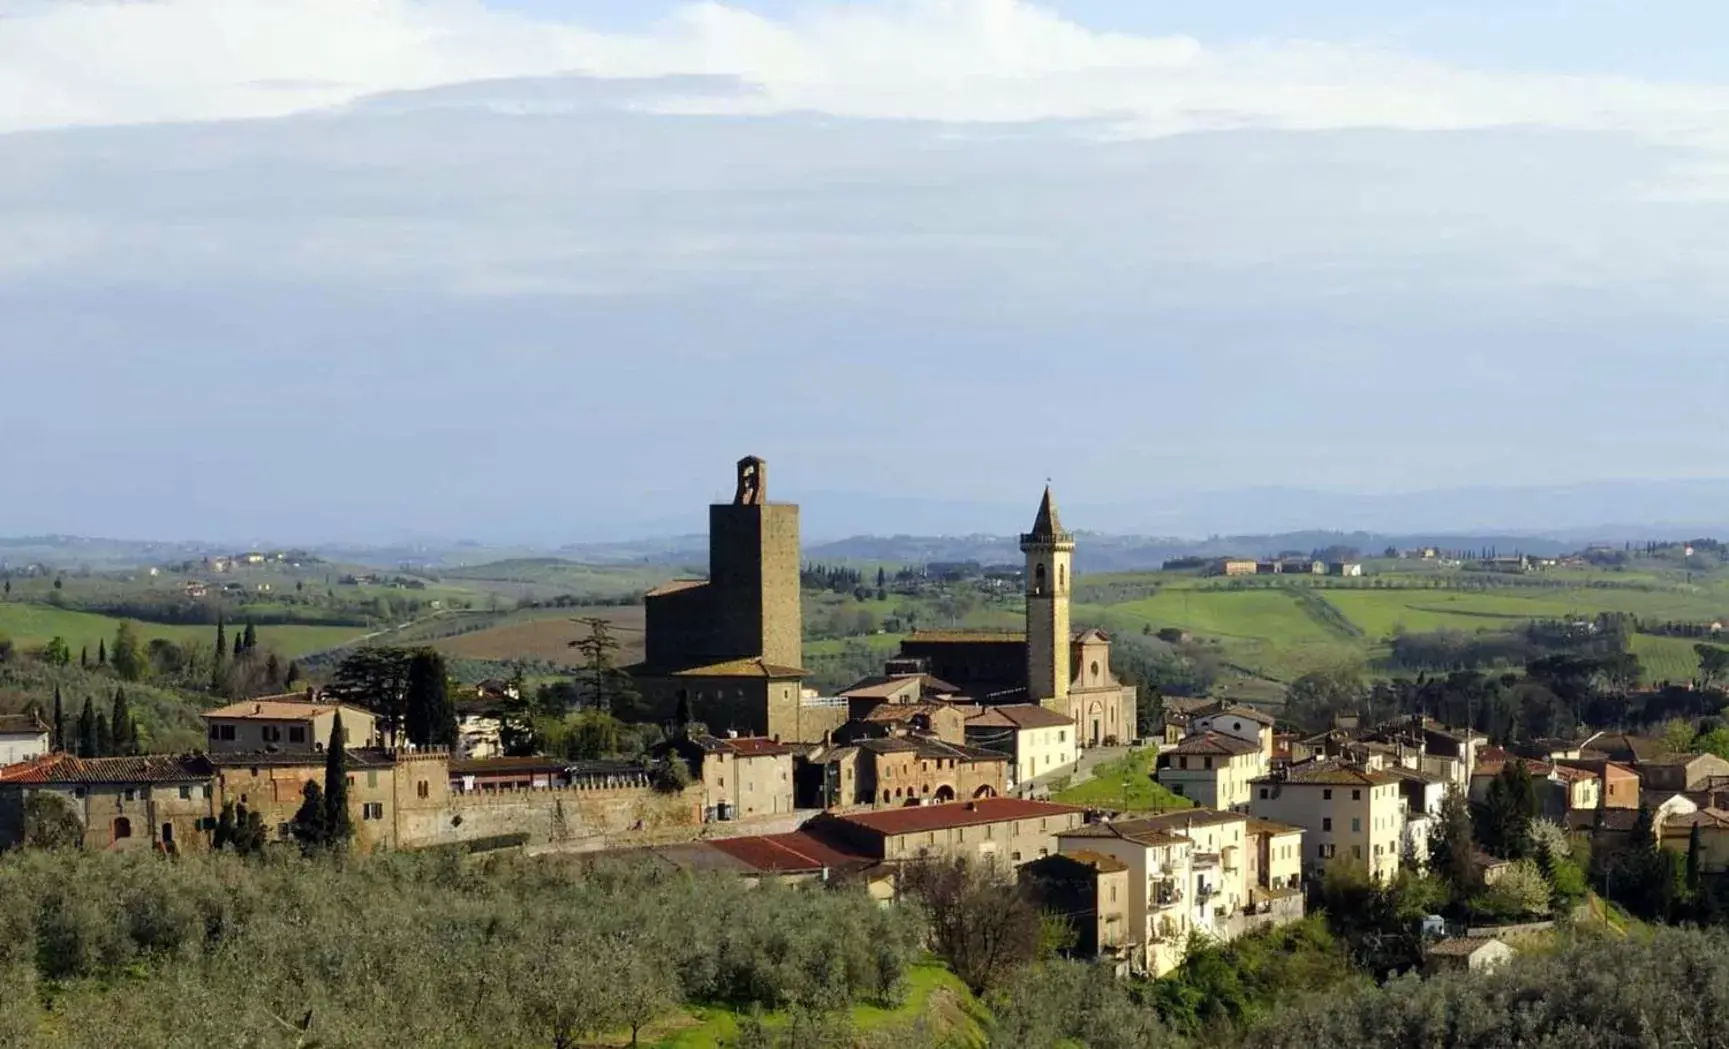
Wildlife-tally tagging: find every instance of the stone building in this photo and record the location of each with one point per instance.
(1047, 663)
(161, 803)
(730, 647)
(1089, 892)
(740, 776)
(899, 769)
(1010, 831)
(300, 722)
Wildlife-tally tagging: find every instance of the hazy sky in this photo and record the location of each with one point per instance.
(525, 269)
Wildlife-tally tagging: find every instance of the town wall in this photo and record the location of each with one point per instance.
(553, 816)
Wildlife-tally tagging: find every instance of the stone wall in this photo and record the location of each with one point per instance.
(550, 816)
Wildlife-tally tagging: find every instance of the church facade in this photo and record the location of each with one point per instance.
(1047, 663)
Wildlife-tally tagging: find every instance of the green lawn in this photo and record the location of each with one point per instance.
(1125, 784)
(1380, 613)
(31, 626)
(932, 992)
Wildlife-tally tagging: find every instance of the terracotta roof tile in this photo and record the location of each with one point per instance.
(1330, 774)
(956, 814)
(1020, 716)
(791, 853)
(1213, 743)
(64, 768)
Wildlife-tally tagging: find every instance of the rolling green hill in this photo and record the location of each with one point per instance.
(31, 626)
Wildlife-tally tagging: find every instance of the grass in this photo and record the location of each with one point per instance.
(933, 992)
(32, 626)
(1126, 784)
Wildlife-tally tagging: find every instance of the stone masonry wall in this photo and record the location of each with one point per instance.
(550, 816)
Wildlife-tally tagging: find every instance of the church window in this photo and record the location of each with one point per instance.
(1095, 670)
(1038, 580)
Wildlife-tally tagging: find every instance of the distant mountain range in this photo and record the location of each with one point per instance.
(1116, 536)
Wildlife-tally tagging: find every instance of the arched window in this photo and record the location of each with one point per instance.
(1038, 580)
(122, 828)
(1062, 576)
(1095, 669)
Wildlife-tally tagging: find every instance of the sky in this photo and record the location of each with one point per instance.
(527, 270)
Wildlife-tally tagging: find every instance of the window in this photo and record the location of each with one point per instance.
(297, 734)
(225, 732)
(1263, 794)
(1183, 761)
(1016, 857)
(185, 793)
(1356, 825)
(1327, 795)
(372, 778)
(213, 730)
(1356, 852)
(129, 794)
(721, 782)
(1356, 795)
(421, 789)
(122, 828)
(1113, 894)
(1206, 763)
(1327, 823)
(1321, 851)
(1062, 735)
(271, 734)
(372, 810)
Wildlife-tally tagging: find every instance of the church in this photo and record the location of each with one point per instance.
(729, 648)
(1047, 663)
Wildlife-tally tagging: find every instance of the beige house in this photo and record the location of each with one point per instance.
(1713, 824)
(1039, 741)
(160, 803)
(1009, 831)
(741, 777)
(1467, 954)
(1212, 770)
(1160, 876)
(297, 723)
(1238, 722)
(1276, 861)
(1348, 813)
(23, 737)
(1089, 891)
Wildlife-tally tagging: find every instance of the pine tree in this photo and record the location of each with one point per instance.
(338, 824)
(59, 721)
(249, 639)
(104, 737)
(125, 731)
(87, 731)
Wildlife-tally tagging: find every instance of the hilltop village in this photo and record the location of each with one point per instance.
(1150, 826)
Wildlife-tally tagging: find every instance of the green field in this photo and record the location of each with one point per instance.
(31, 626)
(1124, 784)
(934, 995)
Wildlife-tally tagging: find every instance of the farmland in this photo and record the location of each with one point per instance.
(31, 626)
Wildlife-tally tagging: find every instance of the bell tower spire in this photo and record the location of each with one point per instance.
(1050, 556)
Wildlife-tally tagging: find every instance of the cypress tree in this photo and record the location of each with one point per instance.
(272, 669)
(293, 674)
(239, 647)
(309, 821)
(125, 731)
(249, 639)
(84, 657)
(104, 737)
(87, 731)
(431, 716)
(101, 653)
(219, 666)
(224, 827)
(59, 721)
(338, 825)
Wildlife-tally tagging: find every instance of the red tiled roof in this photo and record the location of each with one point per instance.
(64, 768)
(1019, 716)
(1213, 743)
(787, 853)
(956, 814)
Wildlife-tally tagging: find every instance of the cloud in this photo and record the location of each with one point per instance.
(120, 61)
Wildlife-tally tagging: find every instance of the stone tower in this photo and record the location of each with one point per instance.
(753, 559)
(1050, 572)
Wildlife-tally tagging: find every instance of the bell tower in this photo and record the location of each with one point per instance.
(1050, 573)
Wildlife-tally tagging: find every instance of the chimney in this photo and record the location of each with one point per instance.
(258, 708)
(311, 693)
